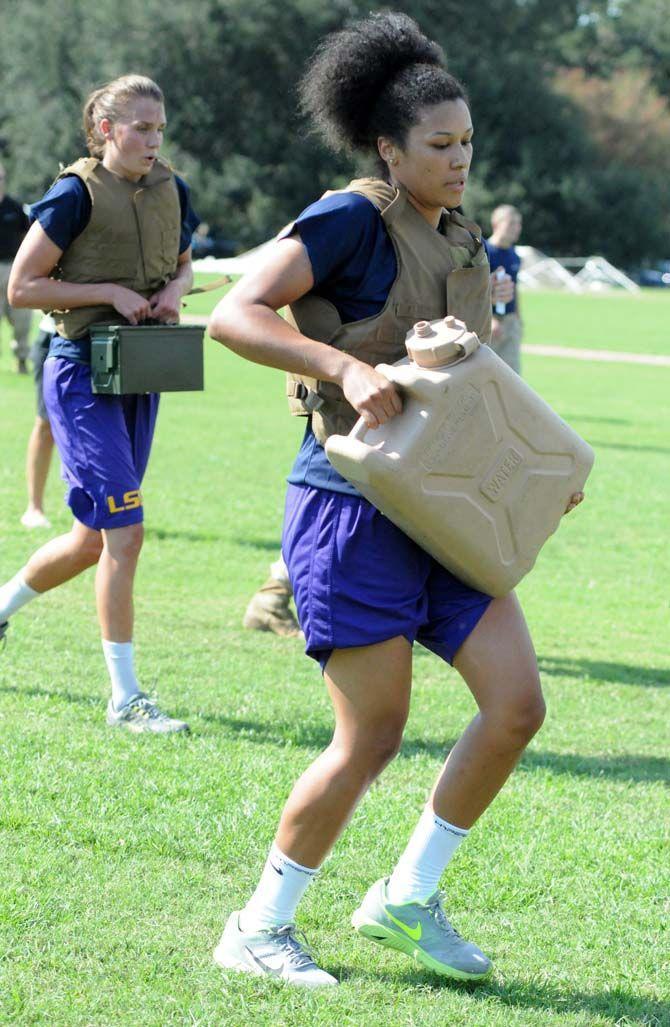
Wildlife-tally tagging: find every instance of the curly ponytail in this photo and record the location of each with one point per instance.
(371, 79)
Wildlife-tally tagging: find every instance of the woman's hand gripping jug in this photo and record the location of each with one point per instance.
(477, 469)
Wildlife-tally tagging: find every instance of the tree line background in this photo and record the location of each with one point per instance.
(570, 99)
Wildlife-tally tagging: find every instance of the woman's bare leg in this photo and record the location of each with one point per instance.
(114, 581)
(497, 662)
(63, 558)
(370, 690)
(38, 459)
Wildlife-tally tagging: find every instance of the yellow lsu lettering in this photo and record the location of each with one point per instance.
(131, 500)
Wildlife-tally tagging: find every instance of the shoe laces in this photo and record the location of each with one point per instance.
(296, 948)
(436, 910)
(143, 706)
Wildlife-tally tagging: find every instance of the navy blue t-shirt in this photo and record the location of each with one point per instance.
(354, 266)
(510, 260)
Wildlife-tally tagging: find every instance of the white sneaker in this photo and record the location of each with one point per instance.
(275, 952)
(143, 714)
(35, 519)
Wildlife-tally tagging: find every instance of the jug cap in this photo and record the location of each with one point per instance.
(436, 343)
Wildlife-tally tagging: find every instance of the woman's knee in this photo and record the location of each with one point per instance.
(125, 544)
(523, 714)
(376, 745)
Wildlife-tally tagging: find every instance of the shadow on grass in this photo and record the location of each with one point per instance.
(628, 446)
(591, 419)
(268, 545)
(615, 673)
(163, 534)
(615, 1004)
(317, 736)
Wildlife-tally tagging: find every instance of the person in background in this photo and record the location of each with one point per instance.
(269, 609)
(110, 243)
(506, 326)
(41, 441)
(13, 227)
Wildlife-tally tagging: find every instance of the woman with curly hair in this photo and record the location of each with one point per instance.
(357, 269)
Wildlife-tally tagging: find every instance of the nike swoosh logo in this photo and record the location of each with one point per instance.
(262, 965)
(413, 932)
(276, 869)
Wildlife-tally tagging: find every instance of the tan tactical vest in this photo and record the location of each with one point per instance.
(439, 272)
(131, 239)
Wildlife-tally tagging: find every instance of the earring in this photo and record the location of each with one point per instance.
(393, 160)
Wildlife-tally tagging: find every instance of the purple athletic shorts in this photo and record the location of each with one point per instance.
(357, 579)
(103, 442)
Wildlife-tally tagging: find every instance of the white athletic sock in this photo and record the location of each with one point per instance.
(421, 865)
(14, 595)
(119, 660)
(283, 883)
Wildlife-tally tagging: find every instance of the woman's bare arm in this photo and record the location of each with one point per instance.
(30, 285)
(246, 320)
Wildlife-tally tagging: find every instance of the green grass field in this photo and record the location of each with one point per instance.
(121, 856)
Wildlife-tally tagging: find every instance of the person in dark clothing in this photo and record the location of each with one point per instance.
(13, 227)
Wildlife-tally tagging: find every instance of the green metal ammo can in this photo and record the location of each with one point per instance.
(128, 359)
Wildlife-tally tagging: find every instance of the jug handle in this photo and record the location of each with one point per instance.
(359, 430)
(466, 349)
(472, 342)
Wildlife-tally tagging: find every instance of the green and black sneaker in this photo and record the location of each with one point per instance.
(422, 931)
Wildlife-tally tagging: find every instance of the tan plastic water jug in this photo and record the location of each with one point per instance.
(477, 469)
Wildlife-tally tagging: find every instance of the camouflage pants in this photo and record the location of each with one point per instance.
(508, 345)
(19, 319)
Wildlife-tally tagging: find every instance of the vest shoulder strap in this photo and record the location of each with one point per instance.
(470, 226)
(381, 193)
(82, 168)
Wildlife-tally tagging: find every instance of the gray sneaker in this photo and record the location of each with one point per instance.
(422, 931)
(143, 714)
(276, 952)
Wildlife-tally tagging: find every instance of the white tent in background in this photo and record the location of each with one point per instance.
(538, 271)
(598, 273)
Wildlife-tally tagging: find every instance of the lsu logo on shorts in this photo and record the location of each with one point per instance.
(131, 500)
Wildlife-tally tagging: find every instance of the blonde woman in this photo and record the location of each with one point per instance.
(109, 243)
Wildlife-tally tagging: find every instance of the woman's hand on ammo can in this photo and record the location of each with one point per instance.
(129, 304)
(166, 303)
